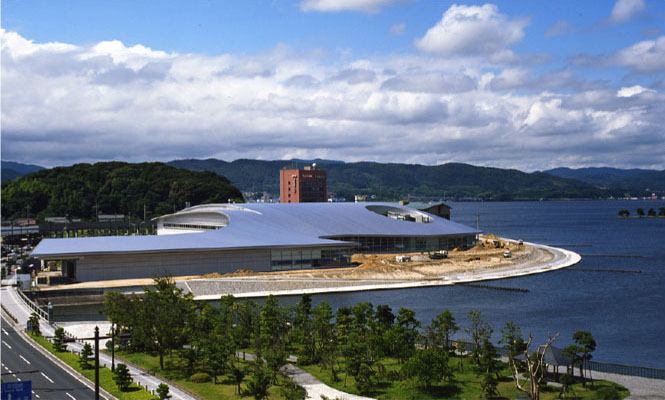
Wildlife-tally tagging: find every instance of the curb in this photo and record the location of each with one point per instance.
(71, 371)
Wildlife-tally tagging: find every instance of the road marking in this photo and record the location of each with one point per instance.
(36, 395)
(23, 358)
(5, 343)
(17, 378)
(70, 396)
(5, 332)
(44, 375)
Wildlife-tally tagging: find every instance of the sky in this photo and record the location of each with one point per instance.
(530, 85)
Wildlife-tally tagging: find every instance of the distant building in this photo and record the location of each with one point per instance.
(439, 209)
(111, 217)
(306, 185)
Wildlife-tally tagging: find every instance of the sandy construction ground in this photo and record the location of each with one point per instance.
(481, 258)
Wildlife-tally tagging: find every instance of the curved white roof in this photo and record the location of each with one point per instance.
(264, 225)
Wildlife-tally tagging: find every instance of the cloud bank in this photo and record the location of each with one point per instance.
(64, 103)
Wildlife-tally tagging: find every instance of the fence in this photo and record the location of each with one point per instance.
(631, 370)
(41, 312)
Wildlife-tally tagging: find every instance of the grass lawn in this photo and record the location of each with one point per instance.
(105, 375)
(175, 371)
(465, 385)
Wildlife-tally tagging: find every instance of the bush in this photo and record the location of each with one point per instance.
(608, 393)
(200, 377)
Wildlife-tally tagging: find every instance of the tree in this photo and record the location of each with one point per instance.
(404, 334)
(163, 313)
(513, 342)
(490, 368)
(566, 381)
(478, 331)
(444, 326)
(163, 391)
(238, 374)
(34, 324)
(326, 339)
(122, 377)
(651, 212)
(535, 368)
(259, 383)
(624, 213)
(273, 331)
(84, 357)
(640, 212)
(587, 344)
(661, 212)
(427, 366)
(59, 340)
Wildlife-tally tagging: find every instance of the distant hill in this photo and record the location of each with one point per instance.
(397, 181)
(12, 170)
(112, 187)
(637, 181)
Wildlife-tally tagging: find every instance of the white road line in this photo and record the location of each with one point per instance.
(5, 343)
(70, 396)
(5, 332)
(18, 379)
(9, 370)
(44, 375)
(36, 395)
(23, 358)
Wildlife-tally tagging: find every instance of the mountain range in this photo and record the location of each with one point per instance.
(393, 181)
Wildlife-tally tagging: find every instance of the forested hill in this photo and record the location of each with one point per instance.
(112, 188)
(397, 181)
(637, 181)
(12, 170)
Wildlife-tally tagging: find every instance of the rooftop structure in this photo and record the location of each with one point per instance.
(258, 236)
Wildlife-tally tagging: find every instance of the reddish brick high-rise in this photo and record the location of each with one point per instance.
(302, 185)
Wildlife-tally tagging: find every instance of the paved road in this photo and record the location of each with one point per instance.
(22, 362)
(12, 301)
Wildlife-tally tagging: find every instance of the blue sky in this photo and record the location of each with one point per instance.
(520, 84)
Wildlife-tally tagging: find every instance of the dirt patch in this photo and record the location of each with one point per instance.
(483, 257)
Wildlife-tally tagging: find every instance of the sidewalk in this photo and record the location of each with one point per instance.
(13, 303)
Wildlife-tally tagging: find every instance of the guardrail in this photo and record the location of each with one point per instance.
(621, 369)
(34, 306)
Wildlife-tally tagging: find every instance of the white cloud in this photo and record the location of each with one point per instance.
(648, 55)
(472, 30)
(367, 6)
(64, 104)
(632, 91)
(625, 10)
(397, 29)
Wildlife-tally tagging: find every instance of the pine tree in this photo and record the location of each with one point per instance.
(122, 377)
(59, 340)
(163, 391)
(84, 357)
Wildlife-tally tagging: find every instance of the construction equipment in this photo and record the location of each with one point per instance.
(497, 242)
(439, 255)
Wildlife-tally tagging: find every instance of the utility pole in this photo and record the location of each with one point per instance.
(112, 347)
(96, 363)
(144, 213)
(478, 221)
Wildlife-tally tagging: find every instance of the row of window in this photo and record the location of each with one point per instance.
(190, 226)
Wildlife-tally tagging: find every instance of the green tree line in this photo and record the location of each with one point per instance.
(354, 344)
(112, 187)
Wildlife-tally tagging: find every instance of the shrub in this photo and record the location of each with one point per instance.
(122, 377)
(200, 377)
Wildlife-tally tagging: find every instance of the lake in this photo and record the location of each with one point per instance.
(625, 312)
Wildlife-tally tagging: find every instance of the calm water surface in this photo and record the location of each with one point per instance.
(625, 312)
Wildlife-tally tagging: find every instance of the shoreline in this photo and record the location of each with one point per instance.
(561, 258)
